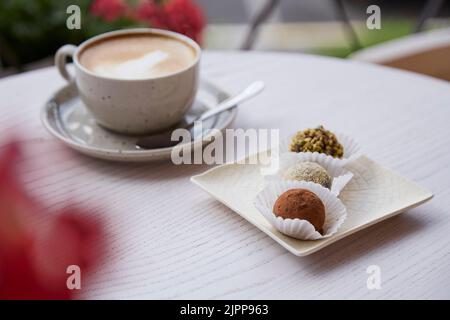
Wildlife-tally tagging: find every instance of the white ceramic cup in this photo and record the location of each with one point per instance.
(133, 106)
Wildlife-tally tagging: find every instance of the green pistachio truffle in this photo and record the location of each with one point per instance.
(309, 171)
(317, 140)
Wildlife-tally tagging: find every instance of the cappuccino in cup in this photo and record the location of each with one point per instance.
(137, 56)
(134, 81)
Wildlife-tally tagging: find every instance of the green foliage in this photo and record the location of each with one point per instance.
(390, 30)
(34, 29)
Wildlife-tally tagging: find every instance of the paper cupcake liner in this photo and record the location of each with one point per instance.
(352, 150)
(335, 212)
(340, 175)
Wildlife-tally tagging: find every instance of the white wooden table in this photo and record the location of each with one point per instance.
(171, 240)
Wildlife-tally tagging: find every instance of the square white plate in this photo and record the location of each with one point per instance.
(374, 194)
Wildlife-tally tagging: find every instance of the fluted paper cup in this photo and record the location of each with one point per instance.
(335, 211)
(339, 174)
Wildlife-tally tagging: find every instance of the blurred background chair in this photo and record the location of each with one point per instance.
(268, 8)
(422, 52)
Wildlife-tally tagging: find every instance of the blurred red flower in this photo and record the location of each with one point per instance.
(36, 247)
(109, 10)
(182, 16)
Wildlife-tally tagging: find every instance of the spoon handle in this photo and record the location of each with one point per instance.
(249, 92)
(163, 139)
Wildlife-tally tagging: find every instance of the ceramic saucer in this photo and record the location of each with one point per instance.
(66, 118)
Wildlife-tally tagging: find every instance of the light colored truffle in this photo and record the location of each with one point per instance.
(308, 171)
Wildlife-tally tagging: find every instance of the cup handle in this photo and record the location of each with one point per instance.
(61, 60)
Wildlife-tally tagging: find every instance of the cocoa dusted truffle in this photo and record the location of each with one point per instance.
(301, 204)
(309, 171)
(317, 140)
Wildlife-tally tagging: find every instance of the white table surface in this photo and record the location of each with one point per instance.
(169, 239)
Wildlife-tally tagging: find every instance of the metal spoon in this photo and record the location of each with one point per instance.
(163, 139)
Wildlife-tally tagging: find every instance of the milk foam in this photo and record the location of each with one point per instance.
(138, 68)
(137, 57)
